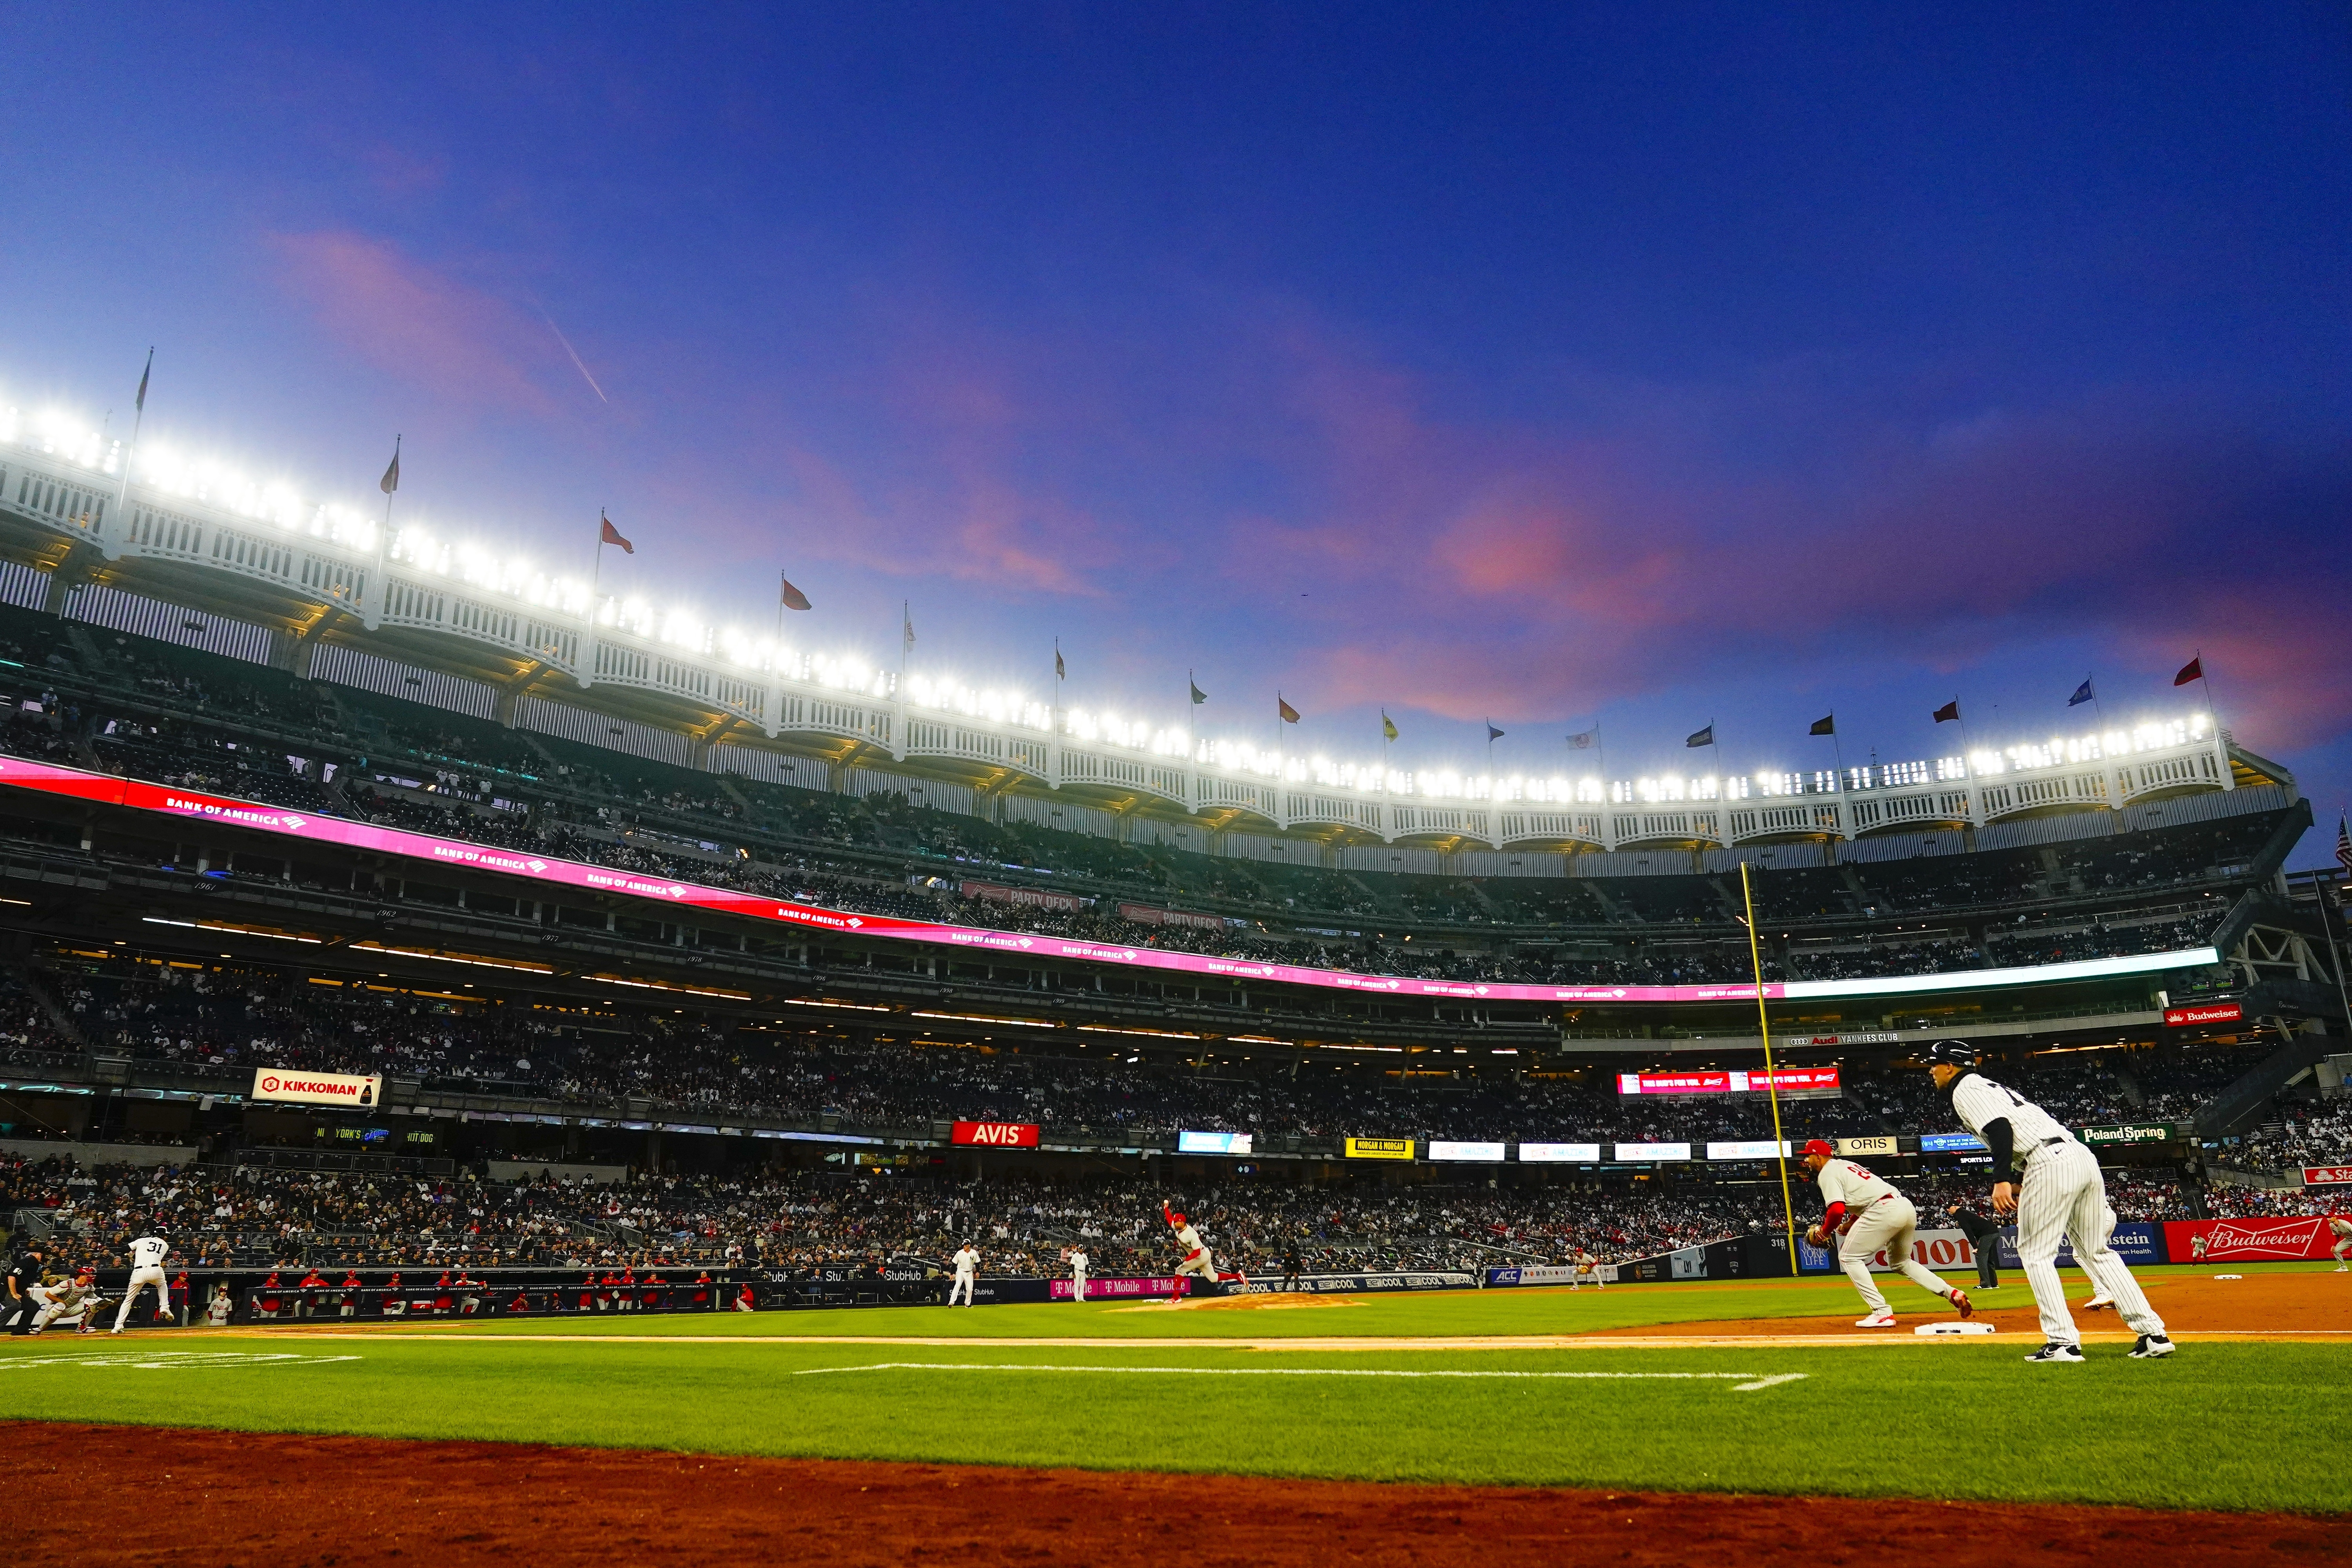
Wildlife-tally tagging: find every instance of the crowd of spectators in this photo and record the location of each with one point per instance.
(199, 720)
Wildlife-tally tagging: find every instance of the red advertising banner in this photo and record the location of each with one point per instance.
(2246, 1240)
(997, 1134)
(1735, 1081)
(2208, 1013)
(2326, 1175)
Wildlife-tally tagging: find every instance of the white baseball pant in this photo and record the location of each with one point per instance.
(963, 1283)
(2062, 1197)
(1077, 1284)
(1202, 1262)
(1889, 1222)
(140, 1279)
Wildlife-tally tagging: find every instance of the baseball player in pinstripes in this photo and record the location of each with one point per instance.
(2060, 1195)
(1866, 1214)
(147, 1255)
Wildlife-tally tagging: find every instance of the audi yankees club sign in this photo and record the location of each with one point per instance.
(362, 1092)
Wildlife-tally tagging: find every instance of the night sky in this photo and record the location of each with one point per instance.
(1637, 365)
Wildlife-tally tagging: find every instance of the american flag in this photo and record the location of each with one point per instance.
(2343, 846)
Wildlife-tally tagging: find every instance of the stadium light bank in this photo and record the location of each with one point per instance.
(165, 468)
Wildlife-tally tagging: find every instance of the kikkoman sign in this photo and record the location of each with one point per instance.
(361, 1092)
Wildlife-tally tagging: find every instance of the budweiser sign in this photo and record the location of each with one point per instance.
(997, 1134)
(2208, 1013)
(318, 1088)
(2248, 1239)
(2326, 1175)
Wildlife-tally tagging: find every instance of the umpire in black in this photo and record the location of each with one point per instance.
(18, 1309)
(1984, 1240)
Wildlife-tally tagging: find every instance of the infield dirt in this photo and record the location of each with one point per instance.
(103, 1496)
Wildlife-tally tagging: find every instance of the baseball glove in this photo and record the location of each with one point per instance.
(1817, 1236)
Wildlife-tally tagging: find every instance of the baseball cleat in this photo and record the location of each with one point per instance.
(1961, 1302)
(1876, 1320)
(2150, 1347)
(2096, 1302)
(2057, 1352)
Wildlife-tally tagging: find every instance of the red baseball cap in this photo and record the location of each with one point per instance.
(1818, 1146)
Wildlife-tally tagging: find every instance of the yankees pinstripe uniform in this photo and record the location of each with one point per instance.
(2062, 1196)
(147, 1256)
(1079, 1262)
(967, 1265)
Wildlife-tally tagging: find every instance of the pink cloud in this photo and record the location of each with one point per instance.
(468, 347)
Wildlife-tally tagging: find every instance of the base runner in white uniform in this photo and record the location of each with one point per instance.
(1079, 1262)
(147, 1255)
(2059, 1197)
(1865, 1215)
(967, 1266)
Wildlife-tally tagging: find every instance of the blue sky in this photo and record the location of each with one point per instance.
(1552, 364)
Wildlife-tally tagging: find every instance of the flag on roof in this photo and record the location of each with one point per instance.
(791, 598)
(139, 402)
(1493, 734)
(905, 625)
(1582, 739)
(1702, 738)
(1824, 726)
(2343, 846)
(391, 480)
(1061, 671)
(2193, 670)
(1388, 726)
(607, 534)
(1284, 711)
(1199, 696)
(2081, 694)
(1949, 712)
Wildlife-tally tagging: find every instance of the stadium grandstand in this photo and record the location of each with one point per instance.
(663, 947)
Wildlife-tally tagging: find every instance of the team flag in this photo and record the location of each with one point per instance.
(2081, 694)
(139, 402)
(1703, 737)
(1949, 712)
(1582, 739)
(2343, 846)
(791, 598)
(1284, 711)
(391, 480)
(1061, 671)
(1388, 726)
(906, 626)
(1824, 726)
(2193, 670)
(1199, 696)
(607, 534)
(1493, 734)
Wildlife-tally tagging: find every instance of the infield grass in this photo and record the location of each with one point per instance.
(2215, 1426)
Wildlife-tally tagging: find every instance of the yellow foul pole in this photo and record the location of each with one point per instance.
(1771, 1085)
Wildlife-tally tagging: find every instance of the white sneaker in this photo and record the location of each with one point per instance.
(1876, 1321)
(2096, 1302)
(2056, 1351)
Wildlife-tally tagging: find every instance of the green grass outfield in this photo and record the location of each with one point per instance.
(2229, 1426)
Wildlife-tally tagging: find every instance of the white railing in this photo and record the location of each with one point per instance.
(340, 568)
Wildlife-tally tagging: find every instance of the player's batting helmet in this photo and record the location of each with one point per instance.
(1959, 1053)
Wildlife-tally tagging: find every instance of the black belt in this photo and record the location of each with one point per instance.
(2047, 1142)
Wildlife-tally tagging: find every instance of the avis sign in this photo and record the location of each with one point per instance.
(360, 1092)
(997, 1134)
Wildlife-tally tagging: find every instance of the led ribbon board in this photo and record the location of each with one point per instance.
(170, 801)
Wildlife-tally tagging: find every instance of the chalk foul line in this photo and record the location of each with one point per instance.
(166, 1361)
(1741, 1381)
